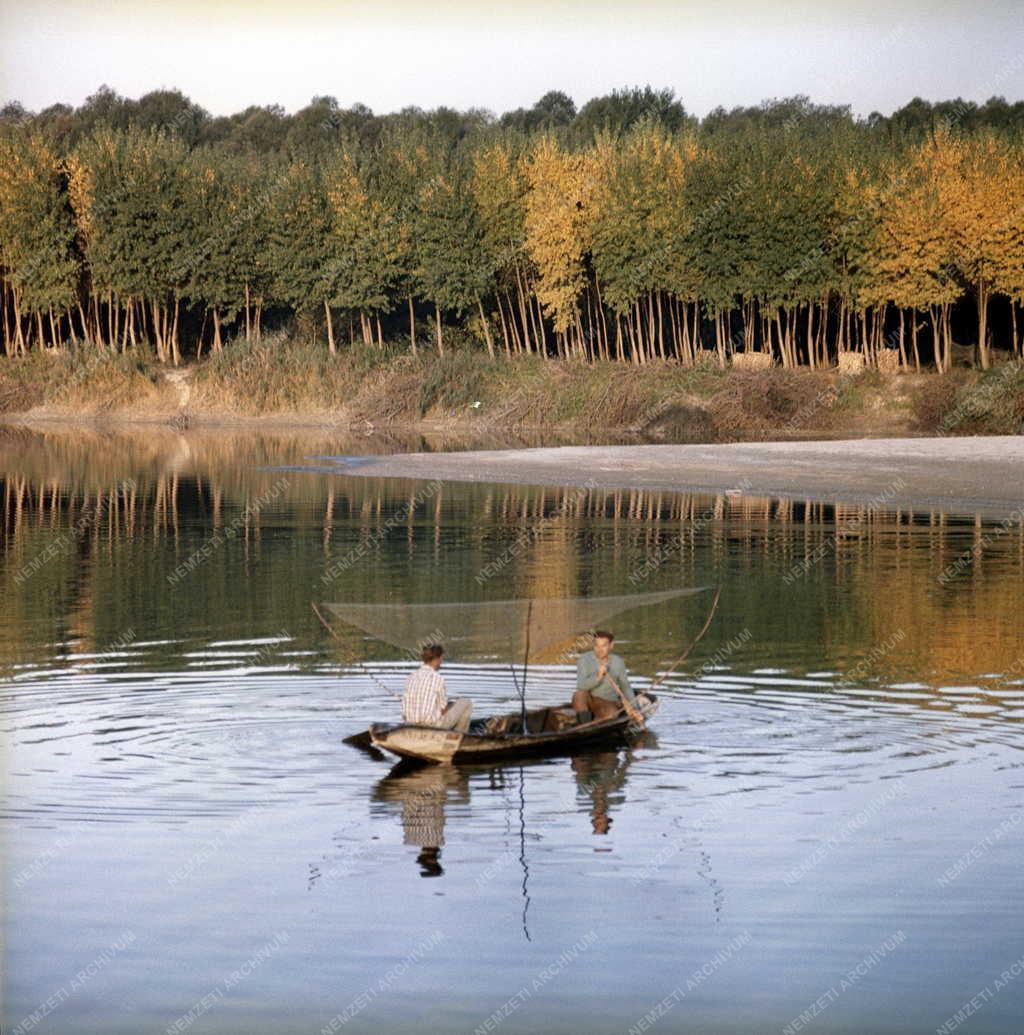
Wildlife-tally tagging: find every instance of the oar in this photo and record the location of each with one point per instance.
(682, 657)
(636, 716)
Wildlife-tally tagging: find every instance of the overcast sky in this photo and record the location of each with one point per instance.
(387, 54)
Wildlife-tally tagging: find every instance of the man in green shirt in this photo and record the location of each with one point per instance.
(595, 672)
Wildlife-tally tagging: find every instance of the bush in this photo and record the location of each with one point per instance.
(993, 404)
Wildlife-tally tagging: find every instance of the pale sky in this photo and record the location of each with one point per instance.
(393, 53)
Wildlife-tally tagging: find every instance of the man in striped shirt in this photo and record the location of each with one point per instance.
(425, 701)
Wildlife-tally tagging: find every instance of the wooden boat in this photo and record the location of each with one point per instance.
(549, 731)
(534, 629)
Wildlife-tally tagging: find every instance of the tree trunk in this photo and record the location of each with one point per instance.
(673, 326)
(604, 322)
(8, 342)
(202, 334)
(157, 331)
(947, 335)
(822, 344)
(691, 352)
(440, 336)
(661, 329)
(504, 328)
(638, 324)
(96, 333)
(811, 358)
(521, 291)
(782, 341)
(412, 326)
(538, 336)
(248, 324)
(513, 328)
(540, 323)
(487, 329)
(652, 333)
(175, 354)
(634, 348)
(983, 293)
(330, 329)
(85, 322)
(590, 322)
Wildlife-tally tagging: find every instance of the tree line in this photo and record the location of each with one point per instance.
(625, 231)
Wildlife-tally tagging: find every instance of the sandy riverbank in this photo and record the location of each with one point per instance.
(976, 475)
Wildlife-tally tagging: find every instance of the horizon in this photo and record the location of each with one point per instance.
(497, 115)
(868, 57)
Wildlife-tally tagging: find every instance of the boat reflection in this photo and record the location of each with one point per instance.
(422, 793)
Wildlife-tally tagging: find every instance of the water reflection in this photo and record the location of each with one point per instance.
(601, 777)
(422, 792)
(98, 533)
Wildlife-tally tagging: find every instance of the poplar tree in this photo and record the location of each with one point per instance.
(38, 262)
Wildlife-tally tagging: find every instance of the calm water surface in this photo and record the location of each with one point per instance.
(822, 832)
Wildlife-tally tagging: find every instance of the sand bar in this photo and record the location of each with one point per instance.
(968, 475)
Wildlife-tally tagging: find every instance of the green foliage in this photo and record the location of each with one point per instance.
(37, 255)
(451, 265)
(299, 244)
(624, 228)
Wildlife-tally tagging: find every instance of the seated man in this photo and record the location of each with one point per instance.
(425, 701)
(596, 670)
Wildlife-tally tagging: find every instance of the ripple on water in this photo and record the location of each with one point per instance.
(215, 741)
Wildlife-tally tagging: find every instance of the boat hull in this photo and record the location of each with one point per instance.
(429, 744)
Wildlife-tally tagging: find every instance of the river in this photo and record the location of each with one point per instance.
(821, 831)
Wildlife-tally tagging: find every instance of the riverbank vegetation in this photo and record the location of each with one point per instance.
(627, 232)
(287, 380)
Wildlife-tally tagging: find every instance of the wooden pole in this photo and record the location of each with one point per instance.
(526, 661)
(632, 712)
(682, 657)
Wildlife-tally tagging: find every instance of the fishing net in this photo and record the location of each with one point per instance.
(543, 630)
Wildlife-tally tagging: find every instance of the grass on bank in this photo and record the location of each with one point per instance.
(291, 376)
(80, 376)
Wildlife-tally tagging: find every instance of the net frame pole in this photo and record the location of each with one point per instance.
(526, 662)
